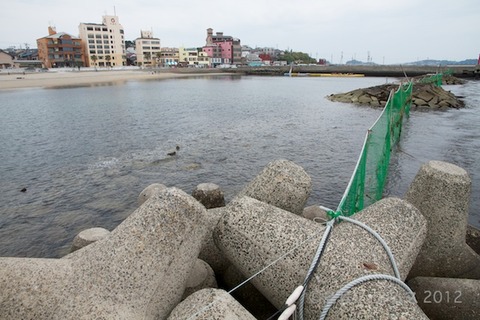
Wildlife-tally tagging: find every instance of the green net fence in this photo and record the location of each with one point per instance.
(370, 175)
(436, 79)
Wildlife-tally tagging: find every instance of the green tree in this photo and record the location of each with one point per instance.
(147, 56)
(108, 58)
(296, 57)
(158, 55)
(129, 44)
(94, 59)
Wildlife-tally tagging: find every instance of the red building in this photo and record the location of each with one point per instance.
(222, 49)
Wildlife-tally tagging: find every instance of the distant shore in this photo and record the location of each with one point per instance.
(52, 79)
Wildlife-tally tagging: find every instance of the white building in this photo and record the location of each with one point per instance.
(148, 49)
(104, 43)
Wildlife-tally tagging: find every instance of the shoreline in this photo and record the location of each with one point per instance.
(59, 79)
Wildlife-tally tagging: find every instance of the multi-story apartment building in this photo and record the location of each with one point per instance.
(193, 57)
(169, 57)
(227, 48)
(104, 43)
(148, 49)
(187, 56)
(60, 50)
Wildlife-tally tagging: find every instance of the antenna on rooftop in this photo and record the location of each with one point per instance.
(114, 11)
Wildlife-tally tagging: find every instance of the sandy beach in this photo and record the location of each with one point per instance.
(53, 79)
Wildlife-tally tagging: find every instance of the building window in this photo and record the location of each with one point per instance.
(121, 31)
(97, 28)
(104, 29)
(91, 41)
(90, 35)
(98, 36)
(90, 28)
(105, 36)
(92, 46)
(92, 51)
(99, 41)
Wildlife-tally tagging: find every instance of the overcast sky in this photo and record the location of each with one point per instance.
(390, 31)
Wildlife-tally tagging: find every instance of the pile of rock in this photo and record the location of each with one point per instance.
(424, 96)
(174, 259)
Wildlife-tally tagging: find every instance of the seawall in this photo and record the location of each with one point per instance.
(469, 71)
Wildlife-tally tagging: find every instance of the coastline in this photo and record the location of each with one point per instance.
(81, 78)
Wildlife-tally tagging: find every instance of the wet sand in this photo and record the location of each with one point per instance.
(82, 78)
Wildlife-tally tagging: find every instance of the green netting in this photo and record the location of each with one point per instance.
(436, 79)
(370, 175)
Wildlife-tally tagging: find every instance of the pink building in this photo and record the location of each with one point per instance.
(222, 49)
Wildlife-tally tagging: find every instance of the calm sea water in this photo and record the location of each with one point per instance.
(85, 153)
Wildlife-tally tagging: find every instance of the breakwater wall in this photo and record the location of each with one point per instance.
(142, 268)
(369, 71)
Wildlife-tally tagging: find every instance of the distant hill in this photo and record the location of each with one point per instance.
(420, 63)
(442, 62)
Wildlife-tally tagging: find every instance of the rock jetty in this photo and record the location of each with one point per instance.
(174, 259)
(424, 96)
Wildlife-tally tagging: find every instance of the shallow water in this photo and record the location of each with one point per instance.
(84, 154)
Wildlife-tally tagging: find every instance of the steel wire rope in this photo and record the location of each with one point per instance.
(333, 299)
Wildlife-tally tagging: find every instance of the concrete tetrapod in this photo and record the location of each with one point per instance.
(441, 191)
(138, 272)
(448, 298)
(209, 304)
(281, 183)
(253, 234)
